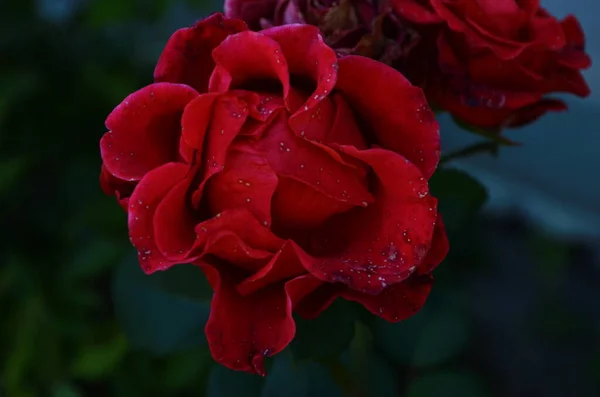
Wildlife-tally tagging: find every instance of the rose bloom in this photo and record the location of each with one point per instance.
(491, 63)
(360, 27)
(289, 176)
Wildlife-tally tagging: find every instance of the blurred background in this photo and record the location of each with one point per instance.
(515, 311)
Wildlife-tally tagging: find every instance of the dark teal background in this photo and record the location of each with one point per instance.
(514, 312)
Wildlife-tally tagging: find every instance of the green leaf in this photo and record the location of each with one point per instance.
(223, 382)
(66, 390)
(447, 384)
(306, 379)
(93, 362)
(285, 378)
(186, 281)
(431, 337)
(11, 170)
(185, 368)
(325, 336)
(380, 379)
(460, 196)
(155, 317)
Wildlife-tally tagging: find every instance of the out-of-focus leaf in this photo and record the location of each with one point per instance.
(26, 331)
(93, 362)
(285, 378)
(185, 280)
(327, 335)
(223, 382)
(447, 384)
(432, 336)
(551, 257)
(11, 170)
(14, 87)
(153, 317)
(305, 379)
(66, 390)
(92, 258)
(105, 12)
(186, 368)
(380, 379)
(320, 382)
(460, 196)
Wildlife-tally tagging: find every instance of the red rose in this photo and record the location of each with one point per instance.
(360, 27)
(491, 63)
(290, 177)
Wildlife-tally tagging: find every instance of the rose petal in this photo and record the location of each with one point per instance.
(243, 330)
(284, 265)
(153, 187)
(397, 302)
(308, 57)
(187, 58)
(345, 130)
(396, 113)
(531, 113)
(144, 130)
(247, 181)
(174, 222)
(294, 157)
(210, 124)
(439, 248)
(381, 244)
(416, 11)
(244, 225)
(297, 208)
(113, 186)
(248, 58)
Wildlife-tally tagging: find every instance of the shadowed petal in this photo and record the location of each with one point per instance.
(439, 248)
(153, 187)
(243, 330)
(397, 302)
(246, 58)
(308, 58)
(145, 130)
(187, 57)
(383, 243)
(396, 113)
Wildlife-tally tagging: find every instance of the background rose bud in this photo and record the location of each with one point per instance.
(291, 178)
(492, 63)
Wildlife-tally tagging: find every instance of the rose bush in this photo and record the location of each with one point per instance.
(491, 63)
(289, 176)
